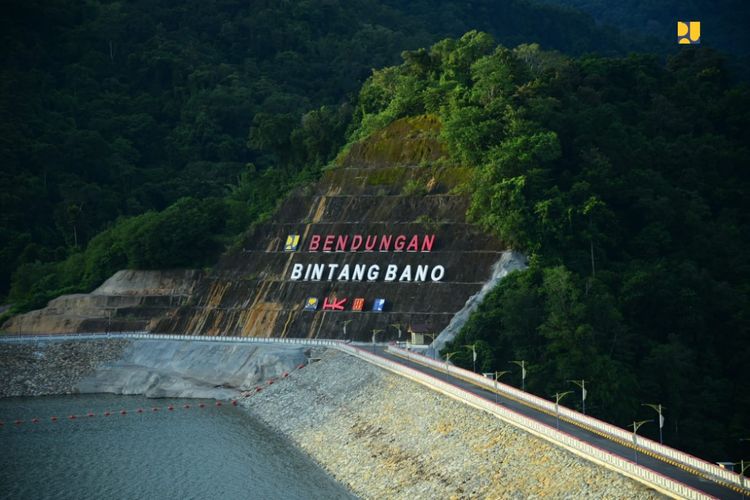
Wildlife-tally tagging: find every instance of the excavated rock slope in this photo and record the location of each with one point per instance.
(388, 184)
(127, 301)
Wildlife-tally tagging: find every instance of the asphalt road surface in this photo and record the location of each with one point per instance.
(700, 483)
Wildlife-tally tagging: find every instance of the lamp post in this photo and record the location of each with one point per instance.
(558, 398)
(497, 376)
(658, 409)
(744, 465)
(473, 348)
(522, 364)
(397, 326)
(582, 384)
(346, 323)
(374, 334)
(448, 358)
(636, 426)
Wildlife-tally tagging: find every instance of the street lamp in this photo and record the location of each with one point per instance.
(473, 348)
(582, 384)
(374, 334)
(636, 426)
(497, 376)
(558, 398)
(448, 358)
(658, 409)
(744, 465)
(346, 323)
(522, 364)
(397, 326)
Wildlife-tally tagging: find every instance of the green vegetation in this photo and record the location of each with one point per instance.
(109, 110)
(625, 181)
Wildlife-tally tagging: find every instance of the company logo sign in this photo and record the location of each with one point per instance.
(688, 32)
(378, 305)
(311, 304)
(292, 242)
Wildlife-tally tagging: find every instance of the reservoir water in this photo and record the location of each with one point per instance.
(213, 452)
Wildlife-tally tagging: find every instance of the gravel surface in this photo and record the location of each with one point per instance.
(386, 437)
(47, 367)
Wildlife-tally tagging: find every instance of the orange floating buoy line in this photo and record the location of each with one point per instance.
(170, 407)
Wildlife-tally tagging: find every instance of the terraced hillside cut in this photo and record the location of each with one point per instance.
(393, 183)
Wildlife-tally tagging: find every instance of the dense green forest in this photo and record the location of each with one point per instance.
(625, 180)
(113, 110)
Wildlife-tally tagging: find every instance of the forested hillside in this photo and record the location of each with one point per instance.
(625, 180)
(121, 109)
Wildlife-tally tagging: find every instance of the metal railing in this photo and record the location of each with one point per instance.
(157, 336)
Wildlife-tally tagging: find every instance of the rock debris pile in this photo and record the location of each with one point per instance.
(47, 368)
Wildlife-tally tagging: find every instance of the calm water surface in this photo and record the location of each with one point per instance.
(181, 454)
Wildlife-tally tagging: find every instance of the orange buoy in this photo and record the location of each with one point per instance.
(34, 420)
(139, 410)
(106, 414)
(123, 412)
(301, 366)
(170, 407)
(187, 407)
(285, 374)
(234, 402)
(90, 414)
(19, 422)
(54, 419)
(154, 409)
(218, 403)
(72, 417)
(201, 405)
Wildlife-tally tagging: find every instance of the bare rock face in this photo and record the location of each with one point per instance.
(128, 301)
(390, 185)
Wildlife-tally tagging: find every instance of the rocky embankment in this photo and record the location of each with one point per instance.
(48, 368)
(386, 437)
(154, 368)
(128, 301)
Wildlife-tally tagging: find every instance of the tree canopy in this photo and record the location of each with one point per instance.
(624, 179)
(112, 109)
